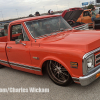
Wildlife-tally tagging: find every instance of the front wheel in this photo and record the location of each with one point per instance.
(58, 74)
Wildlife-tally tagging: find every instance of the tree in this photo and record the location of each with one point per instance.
(90, 6)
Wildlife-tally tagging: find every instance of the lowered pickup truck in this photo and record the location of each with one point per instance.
(49, 42)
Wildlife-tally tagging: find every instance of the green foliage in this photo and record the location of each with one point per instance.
(90, 6)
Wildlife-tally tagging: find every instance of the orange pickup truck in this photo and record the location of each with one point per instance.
(49, 42)
(86, 17)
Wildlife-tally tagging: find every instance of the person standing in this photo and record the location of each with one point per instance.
(30, 15)
(50, 12)
(37, 13)
(93, 16)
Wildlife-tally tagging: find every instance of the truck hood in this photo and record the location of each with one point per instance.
(71, 15)
(81, 40)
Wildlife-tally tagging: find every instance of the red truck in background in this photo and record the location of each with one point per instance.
(72, 15)
(49, 42)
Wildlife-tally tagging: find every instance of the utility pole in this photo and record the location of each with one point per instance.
(17, 13)
(31, 10)
(2, 15)
(44, 8)
(57, 7)
(80, 3)
(68, 4)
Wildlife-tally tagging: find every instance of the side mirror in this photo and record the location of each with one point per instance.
(18, 41)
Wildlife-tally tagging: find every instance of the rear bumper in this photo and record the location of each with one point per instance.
(86, 80)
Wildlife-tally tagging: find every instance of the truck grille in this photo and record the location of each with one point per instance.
(97, 58)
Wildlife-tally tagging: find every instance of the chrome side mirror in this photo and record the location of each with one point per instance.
(19, 41)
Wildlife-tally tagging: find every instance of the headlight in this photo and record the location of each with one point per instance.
(88, 64)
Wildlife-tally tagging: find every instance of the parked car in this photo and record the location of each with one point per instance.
(49, 43)
(85, 17)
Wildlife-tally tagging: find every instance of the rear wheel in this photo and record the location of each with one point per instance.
(58, 73)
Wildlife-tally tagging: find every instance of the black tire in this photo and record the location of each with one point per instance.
(58, 74)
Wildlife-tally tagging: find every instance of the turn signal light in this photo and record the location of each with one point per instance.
(74, 64)
(97, 75)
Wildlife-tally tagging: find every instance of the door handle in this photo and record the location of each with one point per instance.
(9, 47)
(23, 44)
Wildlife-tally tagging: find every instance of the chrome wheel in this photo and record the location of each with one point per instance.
(58, 73)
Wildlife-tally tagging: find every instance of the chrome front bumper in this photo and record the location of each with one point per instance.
(86, 80)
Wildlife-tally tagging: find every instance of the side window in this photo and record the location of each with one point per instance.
(16, 29)
(86, 13)
(17, 32)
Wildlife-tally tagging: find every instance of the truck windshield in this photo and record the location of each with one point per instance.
(47, 26)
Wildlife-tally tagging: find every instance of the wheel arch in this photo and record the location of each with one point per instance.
(45, 60)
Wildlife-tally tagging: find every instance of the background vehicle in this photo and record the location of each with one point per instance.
(1, 27)
(71, 15)
(86, 17)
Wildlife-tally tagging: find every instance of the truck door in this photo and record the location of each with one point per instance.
(18, 54)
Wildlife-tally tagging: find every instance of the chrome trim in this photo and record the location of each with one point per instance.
(75, 79)
(20, 65)
(97, 59)
(23, 44)
(9, 47)
(85, 57)
(43, 19)
(91, 52)
(5, 62)
(84, 64)
(37, 58)
(25, 66)
(34, 33)
(86, 80)
(24, 32)
(28, 30)
(97, 55)
(98, 62)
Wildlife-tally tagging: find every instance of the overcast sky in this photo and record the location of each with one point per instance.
(22, 8)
